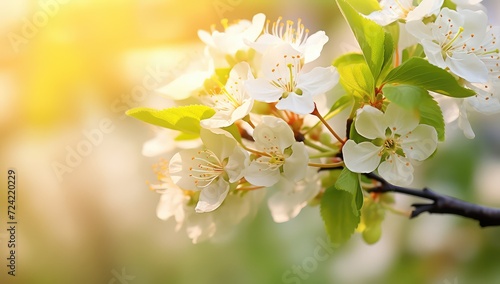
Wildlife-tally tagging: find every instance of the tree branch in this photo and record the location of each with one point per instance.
(441, 204)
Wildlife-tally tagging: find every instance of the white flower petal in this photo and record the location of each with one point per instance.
(464, 124)
(273, 132)
(220, 144)
(291, 197)
(400, 120)
(258, 173)
(370, 123)
(262, 90)
(314, 45)
(318, 81)
(236, 164)
(396, 170)
(468, 66)
(303, 104)
(426, 8)
(212, 196)
(420, 143)
(361, 158)
(295, 167)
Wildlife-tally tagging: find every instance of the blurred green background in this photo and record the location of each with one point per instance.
(67, 74)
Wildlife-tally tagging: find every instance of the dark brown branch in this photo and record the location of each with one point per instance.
(441, 204)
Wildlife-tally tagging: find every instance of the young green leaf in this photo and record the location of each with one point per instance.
(355, 75)
(365, 7)
(419, 72)
(418, 99)
(370, 36)
(349, 182)
(338, 216)
(184, 118)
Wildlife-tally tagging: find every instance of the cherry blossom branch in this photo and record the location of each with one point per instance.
(441, 204)
(316, 113)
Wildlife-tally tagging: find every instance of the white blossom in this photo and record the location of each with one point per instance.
(284, 81)
(291, 197)
(191, 80)
(210, 170)
(454, 41)
(397, 140)
(394, 10)
(298, 37)
(234, 38)
(232, 102)
(283, 156)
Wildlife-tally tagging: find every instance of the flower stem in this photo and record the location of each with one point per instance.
(326, 166)
(314, 146)
(249, 121)
(316, 113)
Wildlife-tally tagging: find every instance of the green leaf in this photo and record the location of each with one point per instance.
(370, 36)
(413, 51)
(416, 98)
(419, 72)
(349, 182)
(184, 118)
(338, 216)
(355, 75)
(344, 102)
(365, 7)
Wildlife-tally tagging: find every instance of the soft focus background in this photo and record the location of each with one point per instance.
(69, 67)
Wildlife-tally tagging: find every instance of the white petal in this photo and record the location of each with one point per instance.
(318, 81)
(397, 170)
(265, 42)
(400, 120)
(171, 204)
(262, 90)
(183, 86)
(370, 123)
(295, 167)
(179, 169)
(313, 46)
(200, 227)
(236, 164)
(468, 66)
(425, 9)
(361, 158)
(303, 104)
(464, 124)
(420, 143)
(259, 174)
(291, 197)
(212, 196)
(273, 131)
(221, 145)
(434, 53)
(419, 30)
(255, 29)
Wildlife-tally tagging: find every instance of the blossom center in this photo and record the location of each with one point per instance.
(286, 78)
(207, 169)
(288, 33)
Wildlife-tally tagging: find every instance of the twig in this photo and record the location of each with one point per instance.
(441, 204)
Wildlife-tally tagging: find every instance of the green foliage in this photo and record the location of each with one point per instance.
(365, 6)
(338, 216)
(418, 99)
(340, 207)
(419, 72)
(376, 44)
(184, 118)
(355, 75)
(349, 181)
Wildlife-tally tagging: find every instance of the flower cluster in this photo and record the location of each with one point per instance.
(257, 124)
